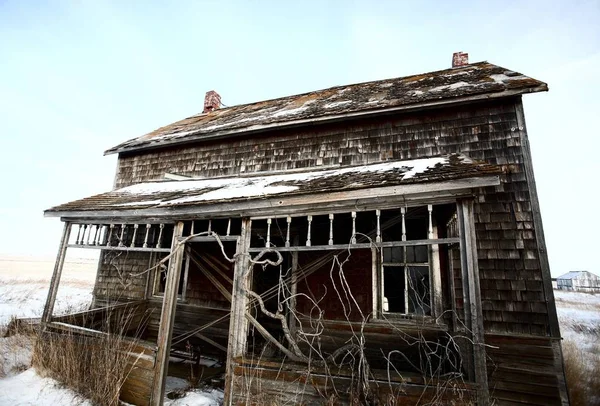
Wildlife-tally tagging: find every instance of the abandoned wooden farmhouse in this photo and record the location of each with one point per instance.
(373, 243)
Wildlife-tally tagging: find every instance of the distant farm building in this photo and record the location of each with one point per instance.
(582, 281)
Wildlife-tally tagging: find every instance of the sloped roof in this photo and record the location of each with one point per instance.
(479, 80)
(577, 274)
(199, 192)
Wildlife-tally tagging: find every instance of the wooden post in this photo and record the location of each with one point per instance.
(435, 279)
(473, 310)
(238, 325)
(293, 292)
(167, 319)
(58, 266)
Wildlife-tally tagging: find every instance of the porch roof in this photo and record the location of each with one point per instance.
(164, 198)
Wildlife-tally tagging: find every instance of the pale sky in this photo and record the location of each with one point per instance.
(79, 77)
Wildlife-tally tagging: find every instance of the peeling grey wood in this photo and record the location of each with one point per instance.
(111, 248)
(435, 275)
(537, 223)
(58, 267)
(167, 320)
(338, 247)
(473, 297)
(238, 325)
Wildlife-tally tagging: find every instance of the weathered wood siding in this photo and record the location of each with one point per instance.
(512, 292)
(121, 276)
(524, 370)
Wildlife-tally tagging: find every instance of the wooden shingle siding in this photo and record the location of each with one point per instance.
(120, 276)
(512, 295)
(523, 370)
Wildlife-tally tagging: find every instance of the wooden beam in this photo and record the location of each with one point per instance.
(538, 228)
(238, 325)
(58, 267)
(342, 247)
(537, 223)
(167, 319)
(112, 248)
(473, 297)
(211, 342)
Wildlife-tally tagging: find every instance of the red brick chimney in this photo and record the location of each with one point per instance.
(212, 101)
(460, 59)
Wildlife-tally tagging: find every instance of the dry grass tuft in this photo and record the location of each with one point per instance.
(95, 367)
(582, 371)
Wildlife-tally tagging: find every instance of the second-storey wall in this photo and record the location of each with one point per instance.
(512, 291)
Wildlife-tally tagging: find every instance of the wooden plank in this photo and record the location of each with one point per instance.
(438, 241)
(167, 319)
(58, 266)
(537, 222)
(111, 248)
(469, 256)
(238, 326)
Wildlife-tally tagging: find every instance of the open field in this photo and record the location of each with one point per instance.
(24, 283)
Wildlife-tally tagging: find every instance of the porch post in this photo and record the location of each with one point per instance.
(472, 296)
(167, 318)
(238, 326)
(58, 266)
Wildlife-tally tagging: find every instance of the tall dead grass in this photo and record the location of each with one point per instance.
(582, 371)
(94, 366)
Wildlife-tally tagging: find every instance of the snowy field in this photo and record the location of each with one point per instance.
(24, 283)
(24, 286)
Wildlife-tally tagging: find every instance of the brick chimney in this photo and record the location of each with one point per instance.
(212, 101)
(460, 59)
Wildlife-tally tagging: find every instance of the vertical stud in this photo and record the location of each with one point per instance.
(192, 228)
(353, 238)
(85, 228)
(403, 211)
(308, 234)
(135, 228)
(78, 234)
(287, 236)
(95, 242)
(146, 237)
(268, 240)
(228, 226)
(87, 240)
(331, 229)
(160, 233)
(430, 229)
(209, 226)
(378, 214)
(123, 226)
(110, 231)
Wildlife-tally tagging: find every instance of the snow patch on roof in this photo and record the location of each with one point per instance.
(453, 86)
(336, 104)
(244, 187)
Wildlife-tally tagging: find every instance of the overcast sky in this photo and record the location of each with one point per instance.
(79, 77)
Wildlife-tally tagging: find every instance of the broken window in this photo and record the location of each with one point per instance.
(405, 278)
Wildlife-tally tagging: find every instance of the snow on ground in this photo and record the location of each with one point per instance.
(24, 283)
(28, 388)
(579, 318)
